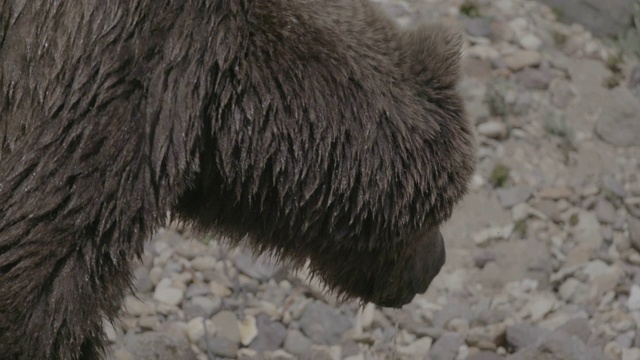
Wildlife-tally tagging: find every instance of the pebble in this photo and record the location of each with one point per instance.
(169, 296)
(248, 330)
(493, 129)
(296, 343)
(522, 59)
(633, 303)
(323, 324)
(227, 323)
(512, 196)
(417, 349)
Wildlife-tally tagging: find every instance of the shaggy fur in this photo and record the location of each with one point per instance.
(319, 128)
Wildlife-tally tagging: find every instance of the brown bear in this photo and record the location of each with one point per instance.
(318, 127)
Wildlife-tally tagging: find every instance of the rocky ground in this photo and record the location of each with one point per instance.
(543, 255)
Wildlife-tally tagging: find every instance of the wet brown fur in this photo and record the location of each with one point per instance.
(319, 128)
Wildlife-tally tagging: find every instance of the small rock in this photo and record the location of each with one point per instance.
(261, 268)
(634, 82)
(110, 332)
(530, 42)
(323, 324)
(587, 231)
(634, 232)
(512, 196)
(535, 79)
(204, 263)
(148, 322)
(605, 212)
(562, 93)
(484, 258)
(270, 334)
(540, 306)
(159, 346)
(418, 349)
(485, 355)
(555, 193)
(248, 330)
(520, 212)
(631, 354)
(493, 129)
(446, 347)
(554, 345)
(523, 334)
(227, 323)
(279, 355)
(122, 354)
(201, 306)
(141, 280)
(620, 123)
(296, 343)
(577, 327)
(169, 296)
(220, 346)
(137, 307)
(477, 26)
(522, 59)
(633, 303)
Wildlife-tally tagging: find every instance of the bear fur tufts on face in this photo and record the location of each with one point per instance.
(319, 128)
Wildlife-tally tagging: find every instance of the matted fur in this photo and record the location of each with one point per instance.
(319, 128)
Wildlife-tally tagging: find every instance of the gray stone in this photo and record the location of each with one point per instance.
(634, 79)
(201, 306)
(602, 18)
(168, 295)
(477, 26)
(219, 346)
(483, 259)
(605, 212)
(535, 79)
(611, 184)
(227, 324)
(522, 59)
(141, 280)
(199, 289)
(562, 93)
(634, 232)
(587, 231)
(577, 327)
(446, 347)
(158, 346)
(493, 129)
(271, 334)
(619, 124)
(296, 343)
(509, 197)
(556, 345)
(260, 268)
(485, 355)
(323, 324)
(523, 334)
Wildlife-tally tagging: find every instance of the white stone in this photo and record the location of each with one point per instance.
(136, 307)
(493, 129)
(633, 303)
(203, 263)
(248, 330)
(169, 296)
(530, 42)
(416, 350)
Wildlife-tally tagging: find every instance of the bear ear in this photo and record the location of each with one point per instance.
(432, 54)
